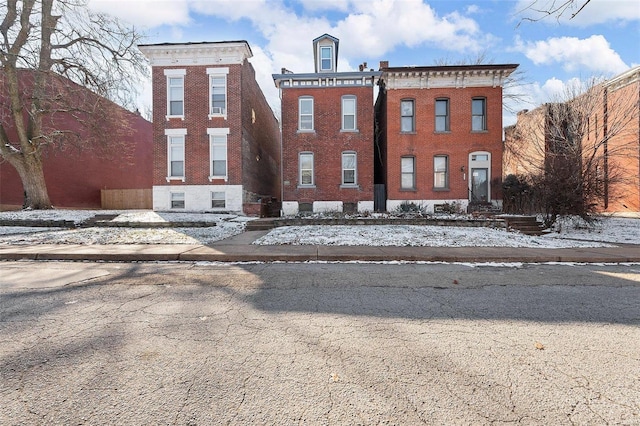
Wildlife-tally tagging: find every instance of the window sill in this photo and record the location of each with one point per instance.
(409, 133)
(408, 189)
(480, 131)
(441, 189)
(349, 186)
(349, 131)
(170, 178)
(442, 132)
(306, 187)
(212, 116)
(169, 117)
(306, 131)
(224, 178)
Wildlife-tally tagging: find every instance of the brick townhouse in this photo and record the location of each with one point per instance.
(439, 135)
(327, 134)
(216, 140)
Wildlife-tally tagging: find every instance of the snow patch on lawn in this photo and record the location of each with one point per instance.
(411, 236)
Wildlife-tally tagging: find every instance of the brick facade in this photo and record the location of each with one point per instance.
(327, 139)
(247, 122)
(468, 154)
(611, 123)
(77, 171)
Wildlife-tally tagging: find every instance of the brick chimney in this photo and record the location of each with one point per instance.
(384, 64)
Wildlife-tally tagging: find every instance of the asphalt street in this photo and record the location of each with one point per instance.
(318, 343)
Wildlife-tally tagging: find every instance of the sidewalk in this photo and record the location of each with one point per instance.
(240, 249)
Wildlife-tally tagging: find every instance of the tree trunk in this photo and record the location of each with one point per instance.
(35, 188)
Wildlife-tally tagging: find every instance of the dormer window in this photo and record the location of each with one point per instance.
(325, 53)
(325, 58)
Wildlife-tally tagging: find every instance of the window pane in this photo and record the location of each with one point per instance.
(306, 106)
(177, 152)
(177, 168)
(477, 107)
(218, 81)
(349, 122)
(219, 167)
(349, 106)
(407, 180)
(306, 177)
(348, 161)
(175, 93)
(477, 122)
(306, 161)
(349, 176)
(407, 165)
(406, 124)
(441, 124)
(441, 107)
(440, 164)
(406, 108)
(306, 123)
(175, 108)
(177, 200)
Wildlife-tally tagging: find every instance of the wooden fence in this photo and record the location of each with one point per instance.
(123, 199)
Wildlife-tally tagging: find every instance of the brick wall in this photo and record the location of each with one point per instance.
(196, 121)
(261, 141)
(327, 144)
(457, 144)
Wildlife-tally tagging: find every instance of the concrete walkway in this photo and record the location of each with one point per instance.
(240, 249)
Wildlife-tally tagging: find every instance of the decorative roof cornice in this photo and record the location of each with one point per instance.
(621, 80)
(324, 80)
(457, 76)
(202, 53)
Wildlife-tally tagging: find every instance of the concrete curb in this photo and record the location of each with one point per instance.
(249, 253)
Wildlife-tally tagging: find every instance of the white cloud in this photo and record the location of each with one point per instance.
(145, 13)
(592, 54)
(595, 12)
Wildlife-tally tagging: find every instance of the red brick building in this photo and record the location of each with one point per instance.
(216, 140)
(605, 123)
(83, 164)
(327, 135)
(439, 135)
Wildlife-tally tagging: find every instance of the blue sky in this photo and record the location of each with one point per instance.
(603, 40)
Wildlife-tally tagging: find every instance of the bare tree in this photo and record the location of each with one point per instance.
(573, 150)
(542, 9)
(61, 63)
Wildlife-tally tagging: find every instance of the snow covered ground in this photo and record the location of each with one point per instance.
(572, 233)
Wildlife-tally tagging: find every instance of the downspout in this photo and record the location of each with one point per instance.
(606, 149)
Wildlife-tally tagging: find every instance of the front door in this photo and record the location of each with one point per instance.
(479, 185)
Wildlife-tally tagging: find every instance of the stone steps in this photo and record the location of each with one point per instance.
(528, 225)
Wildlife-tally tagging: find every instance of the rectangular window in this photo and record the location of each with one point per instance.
(176, 156)
(478, 115)
(349, 168)
(408, 173)
(218, 200)
(218, 94)
(440, 172)
(218, 150)
(177, 200)
(407, 116)
(175, 95)
(325, 58)
(442, 115)
(306, 168)
(305, 115)
(349, 113)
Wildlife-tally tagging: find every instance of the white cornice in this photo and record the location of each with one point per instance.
(444, 79)
(196, 54)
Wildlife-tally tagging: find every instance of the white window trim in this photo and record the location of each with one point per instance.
(313, 166)
(355, 170)
(169, 133)
(320, 48)
(184, 196)
(218, 131)
(355, 113)
(225, 200)
(218, 72)
(172, 73)
(313, 107)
